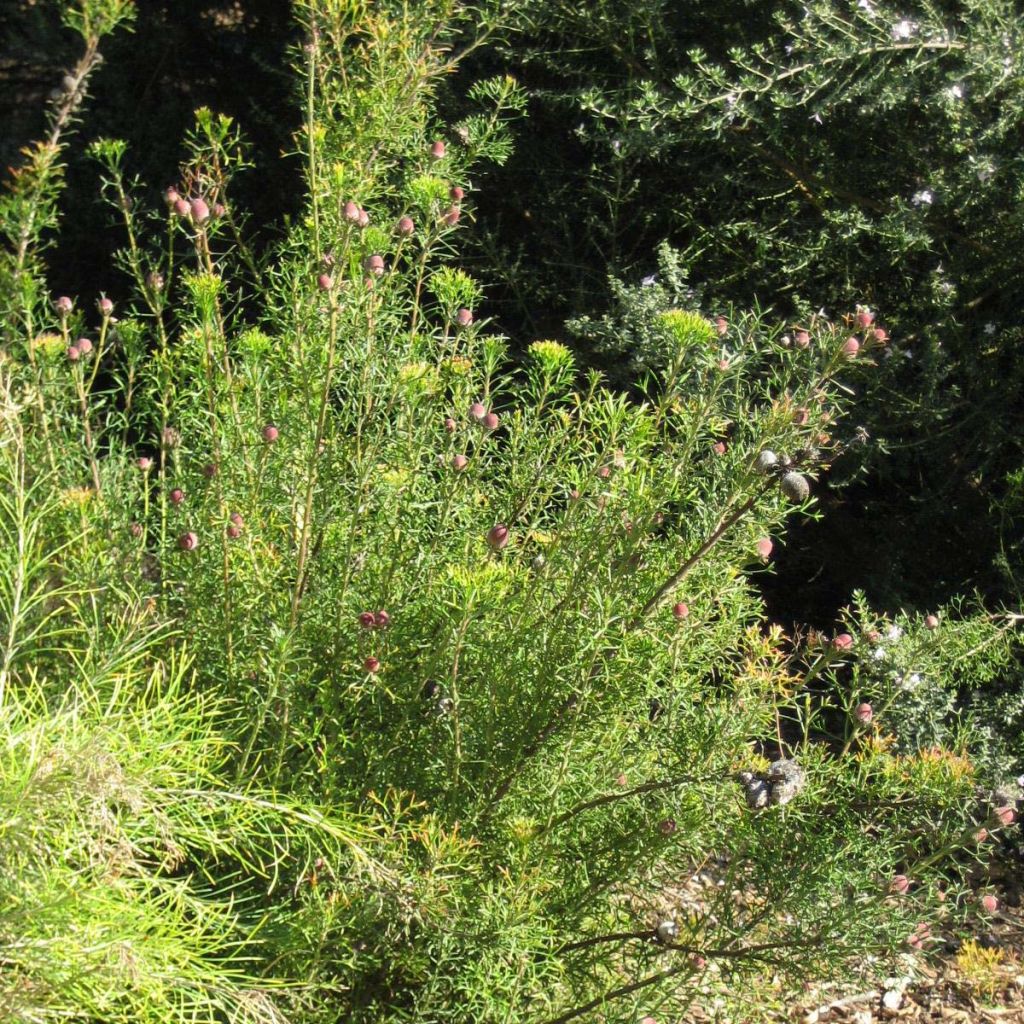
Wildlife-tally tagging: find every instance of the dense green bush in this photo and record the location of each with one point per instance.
(800, 156)
(501, 620)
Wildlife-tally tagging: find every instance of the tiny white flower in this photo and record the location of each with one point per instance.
(893, 632)
(904, 29)
(913, 680)
(923, 198)
(879, 654)
(616, 146)
(990, 328)
(956, 91)
(646, 282)
(867, 6)
(815, 117)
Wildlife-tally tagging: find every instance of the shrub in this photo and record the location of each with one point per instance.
(530, 755)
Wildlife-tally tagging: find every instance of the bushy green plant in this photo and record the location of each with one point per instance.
(801, 156)
(502, 620)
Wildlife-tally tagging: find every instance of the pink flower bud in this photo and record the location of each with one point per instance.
(63, 305)
(699, 963)
(437, 150)
(648, 1020)
(764, 549)
(381, 619)
(457, 193)
(802, 339)
(351, 212)
(73, 354)
(851, 347)
(219, 210)
(234, 532)
(84, 346)
(667, 826)
(722, 326)
(182, 207)
(981, 835)
(105, 306)
(718, 447)
(723, 364)
(270, 433)
(681, 610)
(989, 903)
(459, 463)
(405, 226)
(366, 620)
(497, 536)
(603, 472)
(451, 216)
(450, 424)
(136, 529)
(843, 642)
(491, 421)
(199, 211)
(899, 884)
(464, 317)
(1005, 815)
(188, 541)
(621, 780)
(371, 665)
(881, 335)
(325, 282)
(931, 622)
(477, 412)
(236, 518)
(155, 280)
(171, 196)
(364, 218)
(375, 264)
(144, 463)
(865, 318)
(210, 470)
(864, 712)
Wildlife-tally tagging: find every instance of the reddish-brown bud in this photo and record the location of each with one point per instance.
(681, 610)
(437, 150)
(497, 536)
(188, 541)
(177, 496)
(270, 433)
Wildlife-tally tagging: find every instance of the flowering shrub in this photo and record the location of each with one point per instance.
(501, 620)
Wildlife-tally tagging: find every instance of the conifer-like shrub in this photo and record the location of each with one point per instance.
(498, 619)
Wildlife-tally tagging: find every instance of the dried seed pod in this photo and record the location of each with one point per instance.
(766, 461)
(795, 487)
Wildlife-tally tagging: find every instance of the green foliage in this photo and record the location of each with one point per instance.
(502, 620)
